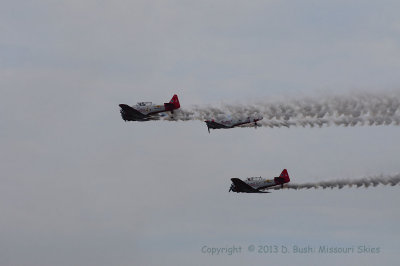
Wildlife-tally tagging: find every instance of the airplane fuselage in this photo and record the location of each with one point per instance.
(148, 108)
(231, 123)
(258, 183)
(237, 122)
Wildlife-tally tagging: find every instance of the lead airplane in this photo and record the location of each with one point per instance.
(145, 111)
(231, 123)
(256, 184)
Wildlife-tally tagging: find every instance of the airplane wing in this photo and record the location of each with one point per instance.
(243, 187)
(130, 114)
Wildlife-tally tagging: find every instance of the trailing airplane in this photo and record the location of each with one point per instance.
(231, 123)
(256, 184)
(145, 111)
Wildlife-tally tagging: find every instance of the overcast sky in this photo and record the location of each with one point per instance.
(79, 186)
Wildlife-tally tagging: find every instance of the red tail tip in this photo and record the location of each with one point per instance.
(175, 101)
(285, 175)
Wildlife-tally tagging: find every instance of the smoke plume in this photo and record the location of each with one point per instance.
(363, 182)
(350, 110)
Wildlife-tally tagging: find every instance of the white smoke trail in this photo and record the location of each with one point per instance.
(351, 110)
(329, 121)
(363, 182)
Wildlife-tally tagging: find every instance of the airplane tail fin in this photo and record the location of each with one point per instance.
(283, 178)
(175, 102)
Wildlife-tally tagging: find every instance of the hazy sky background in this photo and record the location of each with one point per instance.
(79, 186)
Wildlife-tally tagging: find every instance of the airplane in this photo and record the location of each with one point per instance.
(231, 123)
(256, 184)
(145, 111)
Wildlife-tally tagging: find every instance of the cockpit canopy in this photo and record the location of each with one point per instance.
(144, 103)
(254, 178)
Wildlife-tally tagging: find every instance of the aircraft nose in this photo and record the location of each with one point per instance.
(124, 106)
